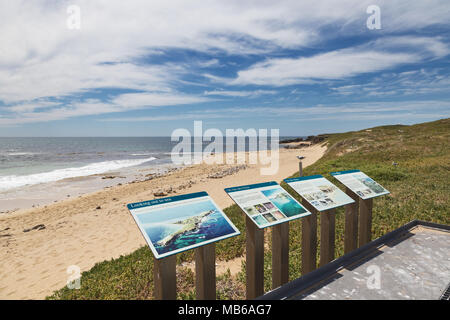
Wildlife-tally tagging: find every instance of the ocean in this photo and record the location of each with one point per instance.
(26, 164)
(26, 161)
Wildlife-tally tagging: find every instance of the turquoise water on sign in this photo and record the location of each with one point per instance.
(284, 202)
(158, 232)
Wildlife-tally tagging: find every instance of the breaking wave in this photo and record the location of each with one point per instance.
(14, 181)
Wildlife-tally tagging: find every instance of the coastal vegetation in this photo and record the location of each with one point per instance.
(412, 162)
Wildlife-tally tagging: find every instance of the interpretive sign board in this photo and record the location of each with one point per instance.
(267, 204)
(319, 192)
(358, 182)
(175, 224)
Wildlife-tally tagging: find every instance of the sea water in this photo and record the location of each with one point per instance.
(39, 170)
(27, 161)
(212, 226)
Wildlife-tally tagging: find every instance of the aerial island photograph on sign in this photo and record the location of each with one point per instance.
(137, 138)
(267, 204)
(319, 192)
(361, 184)
(179, 223)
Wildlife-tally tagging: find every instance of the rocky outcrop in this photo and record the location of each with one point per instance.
(227, 172)
(312, 139)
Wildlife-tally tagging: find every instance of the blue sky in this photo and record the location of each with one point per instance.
(145, 68)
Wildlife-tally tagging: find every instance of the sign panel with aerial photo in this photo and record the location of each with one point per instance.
(357, 181)
(175, 224)
(267, 204)
(319, 192)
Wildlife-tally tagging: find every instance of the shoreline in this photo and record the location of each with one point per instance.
(37, 195)
(97, 226)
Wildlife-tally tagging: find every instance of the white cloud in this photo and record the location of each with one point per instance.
(332, 65)
(141, 100)
(32, 113)
(400, 117)
(374, 108)
(40, 58)
(427, 47)
(242, 93)
(416, 82)
(209, 63)
(374, 56)
(191, 116)
(347, 111)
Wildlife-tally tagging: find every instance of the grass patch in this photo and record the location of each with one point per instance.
(419, 190)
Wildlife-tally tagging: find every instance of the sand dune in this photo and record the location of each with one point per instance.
(97, 227)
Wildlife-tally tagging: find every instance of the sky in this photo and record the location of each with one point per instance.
(146, 68)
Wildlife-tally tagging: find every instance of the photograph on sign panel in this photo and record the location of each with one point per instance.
(283, 201)
(181, 226)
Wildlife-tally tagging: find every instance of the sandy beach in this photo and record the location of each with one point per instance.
(37, 245)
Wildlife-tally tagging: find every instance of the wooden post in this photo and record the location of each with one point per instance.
(351, 223)
(327, 235)
(365, 221)
(254, 259)
(309, 239)
(205, 272)
(164, 278)
(280, 254)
